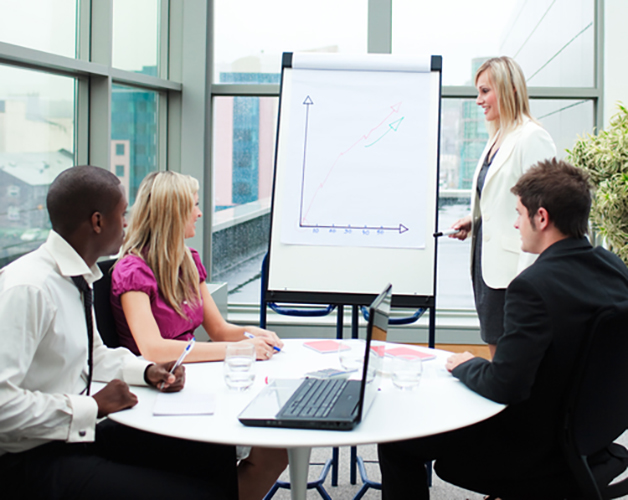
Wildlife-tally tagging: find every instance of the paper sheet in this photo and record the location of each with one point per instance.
(184, 402)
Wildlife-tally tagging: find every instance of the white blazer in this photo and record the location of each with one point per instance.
(502, 258)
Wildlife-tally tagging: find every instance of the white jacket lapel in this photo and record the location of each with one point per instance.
(505, 150)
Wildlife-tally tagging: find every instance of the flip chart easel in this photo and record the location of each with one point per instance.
(355, 191)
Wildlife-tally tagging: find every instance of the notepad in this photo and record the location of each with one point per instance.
(406, 351)
(326, 346)
(185, 402)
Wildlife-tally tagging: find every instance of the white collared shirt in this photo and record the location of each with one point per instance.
(43, 350)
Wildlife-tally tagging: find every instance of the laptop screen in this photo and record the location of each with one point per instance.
(379, 312)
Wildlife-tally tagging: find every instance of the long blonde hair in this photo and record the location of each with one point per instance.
(512, 93)
(156, 233)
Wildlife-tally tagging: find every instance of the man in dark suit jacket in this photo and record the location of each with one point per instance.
(549, 308)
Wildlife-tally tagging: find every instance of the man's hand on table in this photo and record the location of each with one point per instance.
(457, 359)
(115, 396)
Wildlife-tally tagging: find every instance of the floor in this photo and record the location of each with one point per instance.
(346, 491)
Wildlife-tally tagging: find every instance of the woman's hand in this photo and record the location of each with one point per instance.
(263, 350)
(464, 228)
(269, 337)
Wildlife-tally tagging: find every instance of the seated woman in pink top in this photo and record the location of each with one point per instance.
(159, 297)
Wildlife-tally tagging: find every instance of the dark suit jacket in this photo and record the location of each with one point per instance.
(549, 308)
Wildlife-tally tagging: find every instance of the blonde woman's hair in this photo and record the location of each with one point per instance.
(156, 234)
(512, 93)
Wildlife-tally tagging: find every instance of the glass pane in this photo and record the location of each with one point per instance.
(36, 144)
(565, 120)
(243, 161)
(453, 289)
(253, 43)
(463, 137)
(136, 35)
(134, 136)
(48, 25)
(552, 40)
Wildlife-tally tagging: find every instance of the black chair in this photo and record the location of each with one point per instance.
(102, 305)
(595, 413)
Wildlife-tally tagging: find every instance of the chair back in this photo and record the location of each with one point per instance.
(595, 413)
(597, 408)
(102, 305)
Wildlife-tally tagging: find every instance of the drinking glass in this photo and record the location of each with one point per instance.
(406, 372)
(351, 354)
(239, 366)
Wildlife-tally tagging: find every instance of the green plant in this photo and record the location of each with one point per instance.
(605, 157)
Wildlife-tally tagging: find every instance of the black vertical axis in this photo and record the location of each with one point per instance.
(308, 102)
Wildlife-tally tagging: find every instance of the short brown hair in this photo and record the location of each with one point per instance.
(561, 189)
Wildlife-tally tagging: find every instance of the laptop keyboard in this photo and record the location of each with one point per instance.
(314, 398)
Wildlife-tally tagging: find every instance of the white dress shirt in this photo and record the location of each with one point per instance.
(43, 350)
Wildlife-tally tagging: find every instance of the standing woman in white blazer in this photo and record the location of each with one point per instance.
(516, 142)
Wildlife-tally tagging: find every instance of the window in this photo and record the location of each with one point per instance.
(46, 25)
(36, 144)
(136, 35)
(67, 110)
(553, 40)
(243, 148)
(134, 128)
(248, 46)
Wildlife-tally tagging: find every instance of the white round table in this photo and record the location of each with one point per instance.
(441, 403)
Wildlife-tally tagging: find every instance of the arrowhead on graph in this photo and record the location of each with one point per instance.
(395, 125)
(396, 107)
(402, 228)
(308, 100)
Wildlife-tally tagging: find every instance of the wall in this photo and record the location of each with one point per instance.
(615, 60)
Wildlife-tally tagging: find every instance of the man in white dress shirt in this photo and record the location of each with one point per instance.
(51, 444)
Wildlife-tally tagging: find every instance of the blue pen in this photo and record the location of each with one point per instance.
(178, 362)
(249, 335)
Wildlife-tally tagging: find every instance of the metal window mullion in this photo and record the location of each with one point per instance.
(143, 81)
(163, 29)
(23, 57)
(175, 57)
(101, 43)
(599, 63)
(379, 34)
(100, 121)
(83, 29)
(162, 132)
(81, 121)
(208, 184)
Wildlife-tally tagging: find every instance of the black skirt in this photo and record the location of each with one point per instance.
(489, 302)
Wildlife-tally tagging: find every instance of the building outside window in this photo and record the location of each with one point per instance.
(36, 144)
(134, 132)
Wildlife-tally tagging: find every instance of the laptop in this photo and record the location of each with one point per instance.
(332, 403)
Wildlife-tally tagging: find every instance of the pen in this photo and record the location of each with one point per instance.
(249, 335)
(178, 362)
(446, 232)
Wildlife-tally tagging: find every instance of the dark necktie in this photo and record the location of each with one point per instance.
(88, 301)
